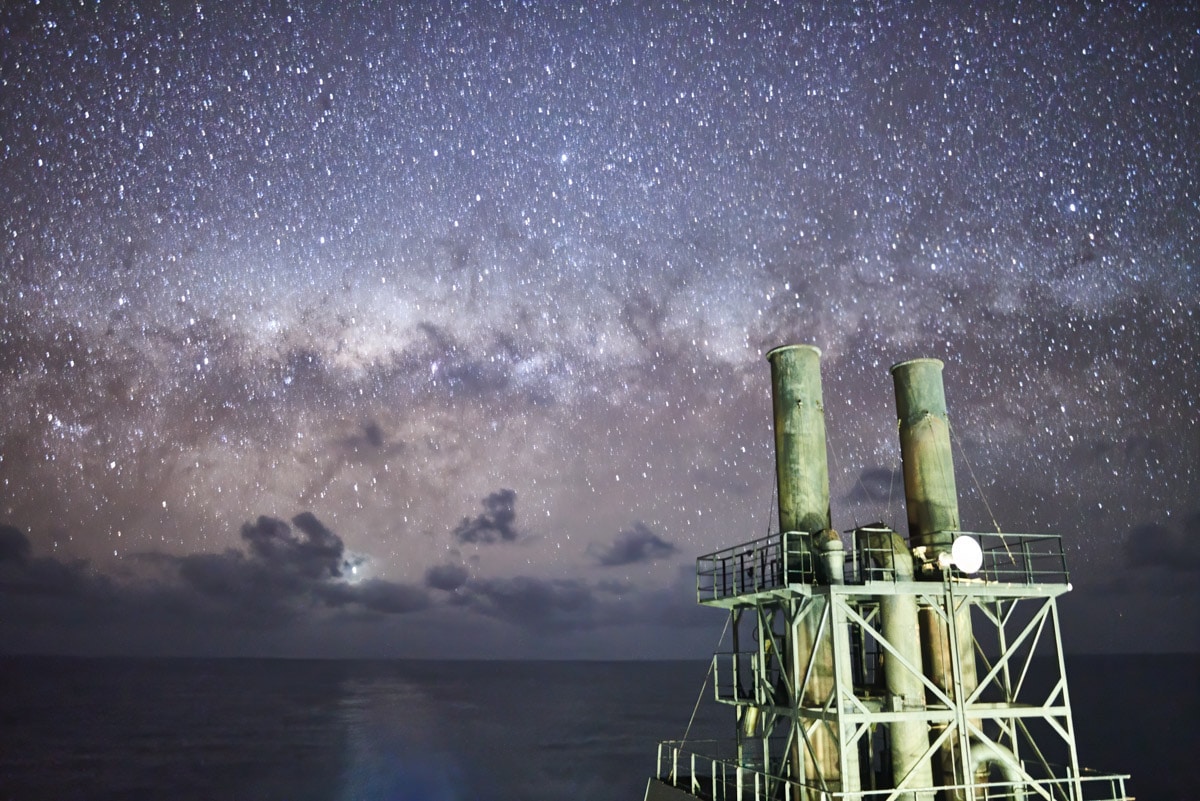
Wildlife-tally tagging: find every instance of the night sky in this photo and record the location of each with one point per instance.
(343, 330)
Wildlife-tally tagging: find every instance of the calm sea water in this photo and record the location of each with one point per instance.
(493, 731)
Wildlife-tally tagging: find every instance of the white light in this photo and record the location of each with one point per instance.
(966, 554)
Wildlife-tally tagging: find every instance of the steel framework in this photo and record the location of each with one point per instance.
(806, 677)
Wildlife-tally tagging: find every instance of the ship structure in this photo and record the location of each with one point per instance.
(883, 667)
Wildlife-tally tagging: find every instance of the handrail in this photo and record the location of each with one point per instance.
(779, 561)
(726, 779)
(761, 565)
(1008, 558)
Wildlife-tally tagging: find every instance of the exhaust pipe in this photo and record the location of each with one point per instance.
(801, 469)
(905, 691)
(802, 473)
(932, 502)
(930, 493)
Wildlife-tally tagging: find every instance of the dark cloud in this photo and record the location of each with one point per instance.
(288, 581)
(373, 434)
(316, 554)
(229, 577)
(45, 579)
(286, 574)
(375, 595)
(560, 606)
(633, 545)
(496, 524)
(446, 577)
(286, 577)
(369, 443)
(1156, 546)
(534, 603)
(14, 545)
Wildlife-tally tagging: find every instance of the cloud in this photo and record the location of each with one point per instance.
(674, 605)
(288, 576)
(495, 524)
(376, 595)
(372, 436)
(280, 589)
(1156, 562)
(289, 572)
(1156, 546)
(316, 554)
(446, 577)
(44, 581)
(534, 603)
(14, 545)
(367, 444)
(561, 606)
(633, 545)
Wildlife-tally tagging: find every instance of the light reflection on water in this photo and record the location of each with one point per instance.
(394, 747)
(500, 731)
(335, 731)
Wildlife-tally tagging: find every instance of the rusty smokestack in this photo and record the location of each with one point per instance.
(932, 501)
(801, 468)
(930, 493)
(802, 473)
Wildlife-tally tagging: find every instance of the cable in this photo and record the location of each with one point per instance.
(772, 509)
(704, 686)
(963, 453)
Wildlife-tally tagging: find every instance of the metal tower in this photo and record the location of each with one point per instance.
(919, 670)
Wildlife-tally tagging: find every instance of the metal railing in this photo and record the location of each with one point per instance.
(780, 560)
(1007, 559)
(768, 563)
(734, 676)
(718, 778)
(1023, 558)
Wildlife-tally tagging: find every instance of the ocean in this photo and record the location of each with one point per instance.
(300, 730)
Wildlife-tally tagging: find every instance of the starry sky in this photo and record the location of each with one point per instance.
(340, 329)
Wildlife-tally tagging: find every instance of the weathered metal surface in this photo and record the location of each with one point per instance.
(929, 488)
(802, 472)
(905, 692)
(932, 500)
(801, 468)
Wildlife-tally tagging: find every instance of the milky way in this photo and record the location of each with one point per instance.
(439, 331)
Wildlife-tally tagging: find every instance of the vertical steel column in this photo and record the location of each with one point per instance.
(802, 473)
(843, 680)
(931, 498)
(1076, 788)
(905, 691)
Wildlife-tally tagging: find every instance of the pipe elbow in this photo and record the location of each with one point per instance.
(984, 755)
